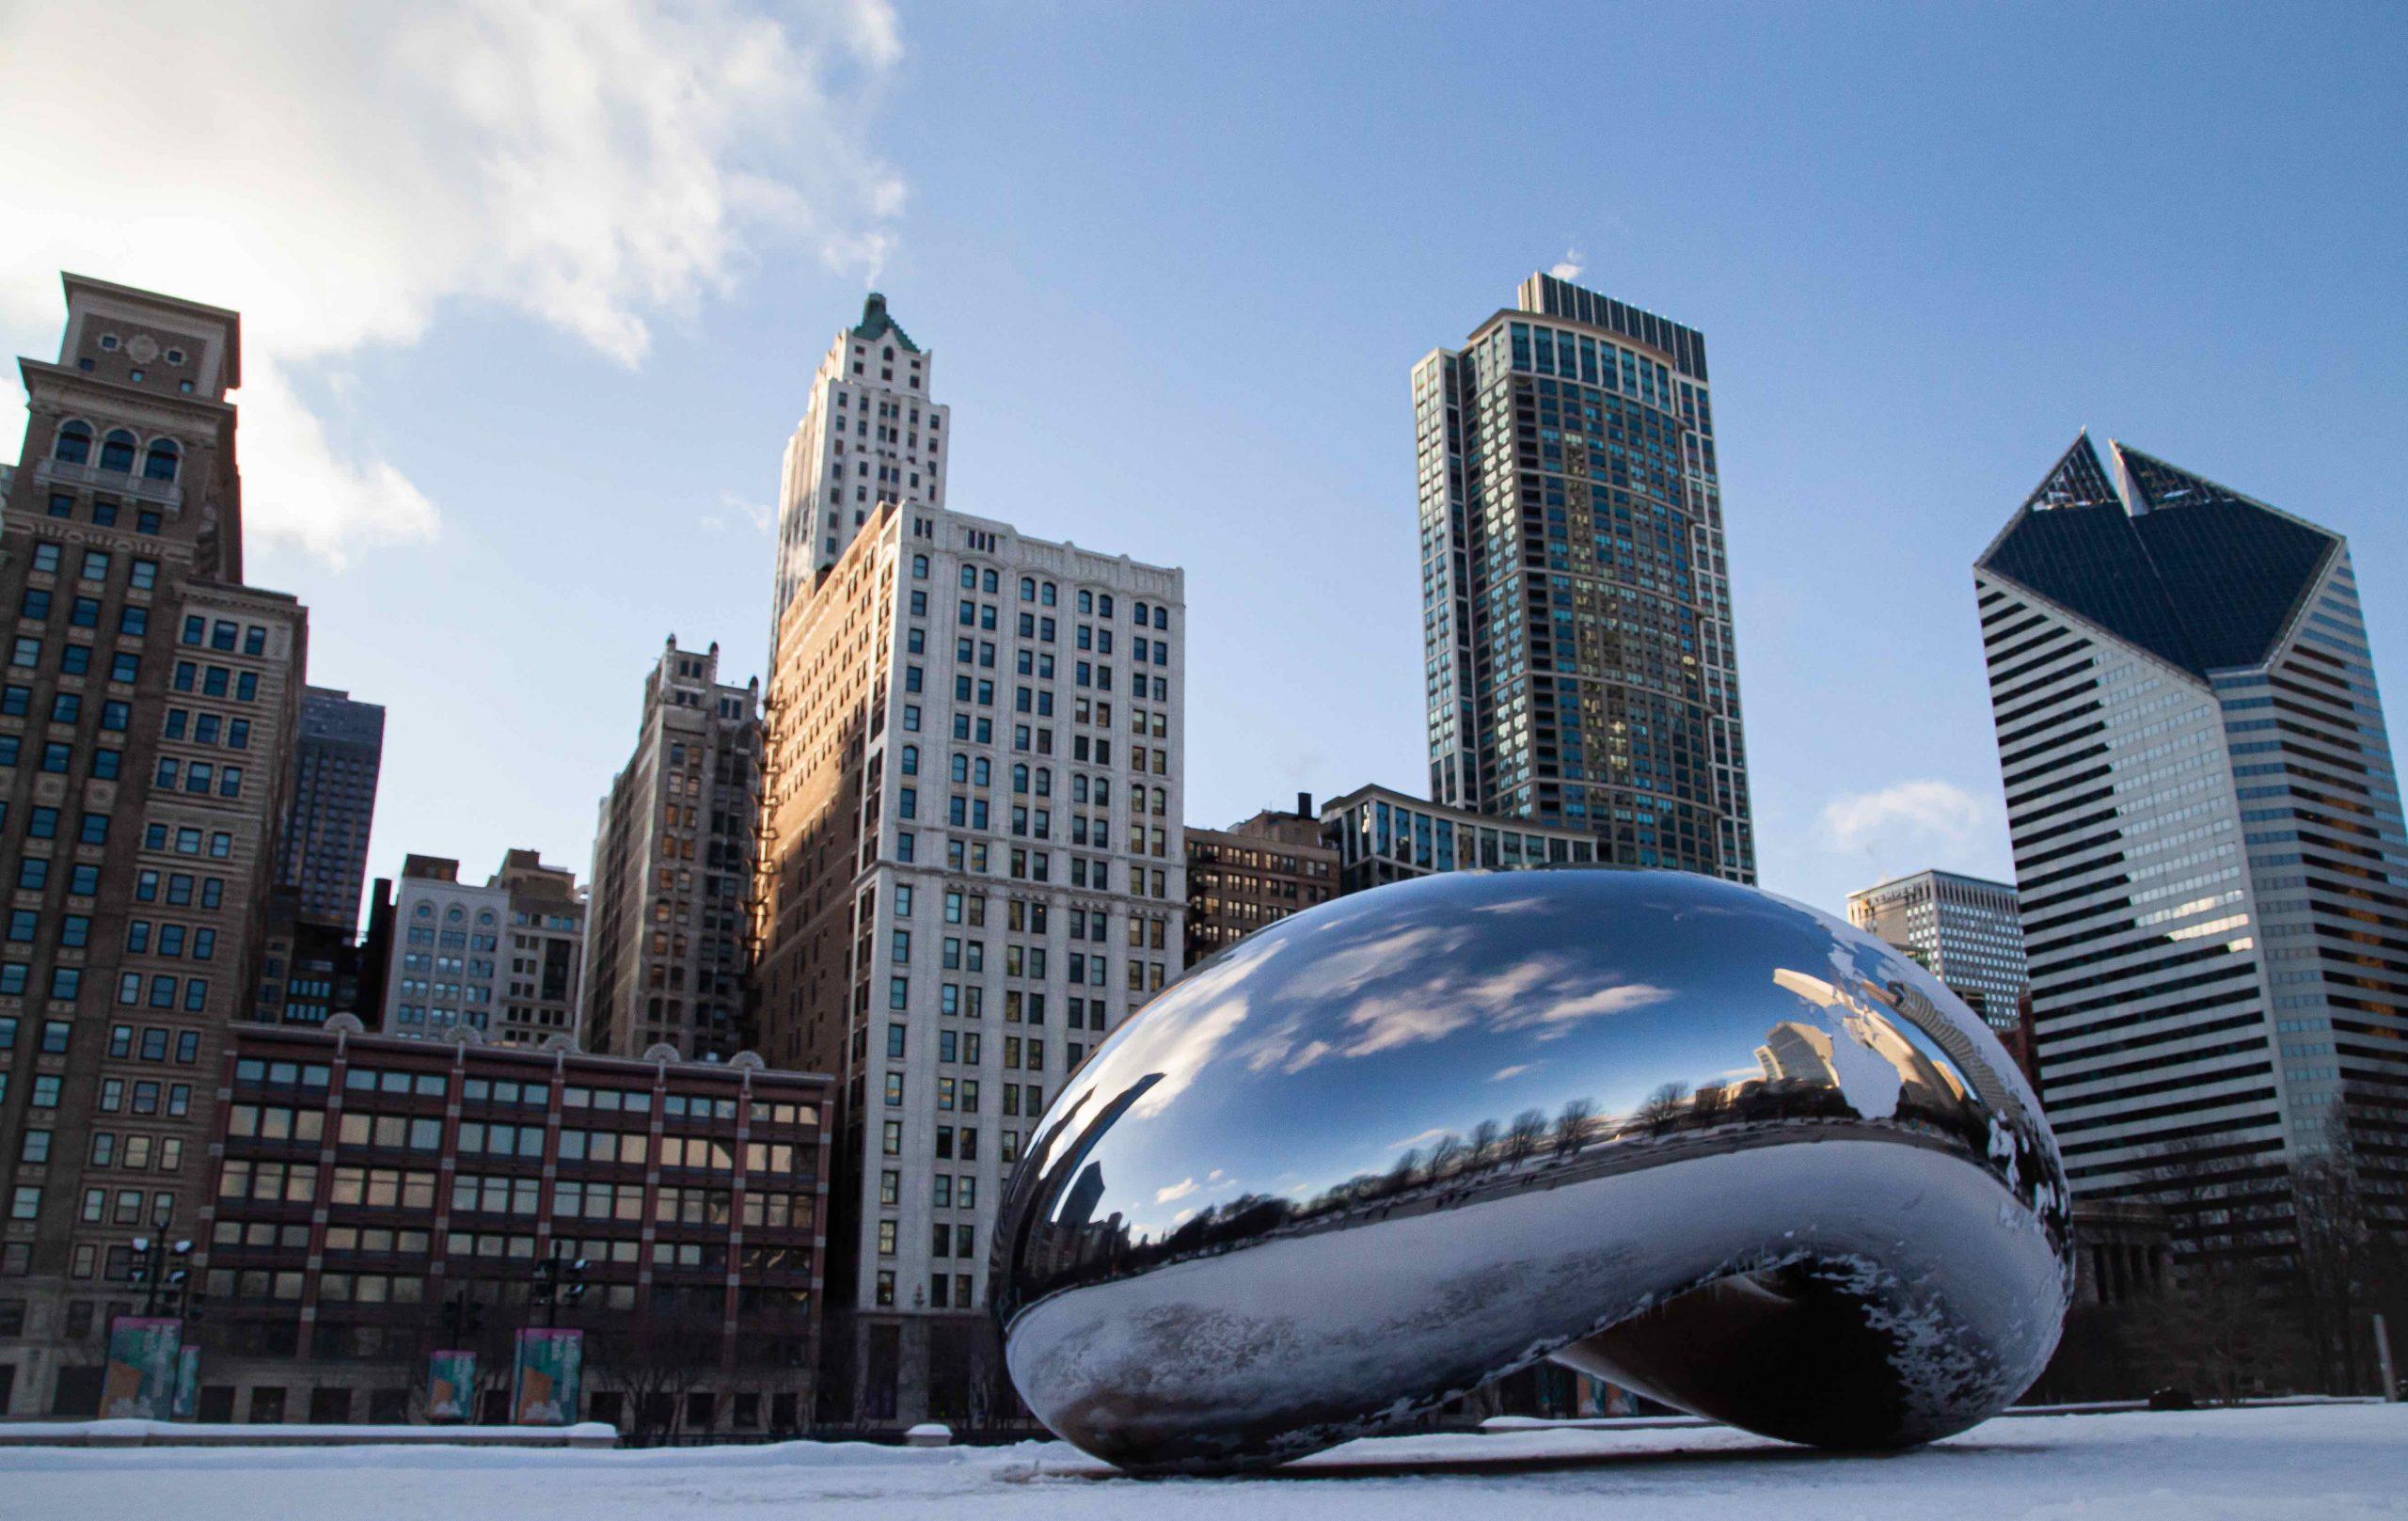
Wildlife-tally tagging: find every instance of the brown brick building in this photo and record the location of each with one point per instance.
(1253, 874)
(668, 945)
(147, 711)
(364, 1182)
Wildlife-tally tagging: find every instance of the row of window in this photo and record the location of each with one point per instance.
(105, 513)
(75, 660)
(57, 757)
(65, 708)
(161, 458)
(479, 1090)
(149, 1095)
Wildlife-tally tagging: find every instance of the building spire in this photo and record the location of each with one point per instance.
(2077, 479)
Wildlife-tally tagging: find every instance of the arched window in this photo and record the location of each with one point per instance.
(919, 567)
(1028, 589)
(74, 446)
(117, 452)
(1019, 778)
(910, 760)
(159, 462)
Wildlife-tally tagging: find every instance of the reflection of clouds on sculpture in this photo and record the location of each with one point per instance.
(1464, 1092)
(1179, 1044)
(1428, 1004)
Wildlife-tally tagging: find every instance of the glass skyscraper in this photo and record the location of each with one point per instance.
(334, 804)
(1575, 599)
(2206, 831)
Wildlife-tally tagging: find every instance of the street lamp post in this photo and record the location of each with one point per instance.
(163, 1270)
(558, 1284)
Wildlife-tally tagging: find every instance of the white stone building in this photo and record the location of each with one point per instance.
(972, 869)
(869, 435)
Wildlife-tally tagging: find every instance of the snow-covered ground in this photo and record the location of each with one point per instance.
(2311, 1464)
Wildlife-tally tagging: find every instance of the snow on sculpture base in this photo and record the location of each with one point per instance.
(1679, 1133)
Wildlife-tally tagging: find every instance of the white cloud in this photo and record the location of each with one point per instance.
(1911, 816)
(735, 509)
(338, 173)
(1176, 1191)
(1504, 1073)
(1570, 265)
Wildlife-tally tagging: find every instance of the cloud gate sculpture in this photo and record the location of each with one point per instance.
(1681, 1135)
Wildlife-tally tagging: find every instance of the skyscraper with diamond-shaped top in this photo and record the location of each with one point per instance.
(2208, 836)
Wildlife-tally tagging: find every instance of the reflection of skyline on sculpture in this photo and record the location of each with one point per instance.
(1412, 1000)
(1408, 1140)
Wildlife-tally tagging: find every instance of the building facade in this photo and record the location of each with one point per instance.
(970, 873)
(147, 728)
(324, 860)
(502, 960)
(1966, 931)
(444, 972)
(868, 435)
(360, 1182)
(2206, 831)
(669, 938)
(310, 970)
(542, 995)
(1382, 835)
(1575, 594)
(1253, 874)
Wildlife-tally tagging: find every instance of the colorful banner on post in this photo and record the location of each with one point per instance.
(451, 1386)
(550, 1364)
(146, 1356)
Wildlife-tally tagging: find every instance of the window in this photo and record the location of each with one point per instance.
(159, 462)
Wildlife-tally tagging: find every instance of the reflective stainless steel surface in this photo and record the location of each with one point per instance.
(1698, 1140)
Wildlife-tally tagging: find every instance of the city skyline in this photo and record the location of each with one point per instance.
(406, 401)
(1885, 385)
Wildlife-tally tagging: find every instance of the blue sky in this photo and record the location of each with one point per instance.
(528, 337)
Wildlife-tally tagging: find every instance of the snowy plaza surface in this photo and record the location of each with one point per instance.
(2313, 1463)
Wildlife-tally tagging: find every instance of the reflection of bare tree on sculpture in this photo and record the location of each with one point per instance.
(1527, 1130)
(1665, 1108)
(1446, 1154)
(1572, 1125)
(1483, 1143)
